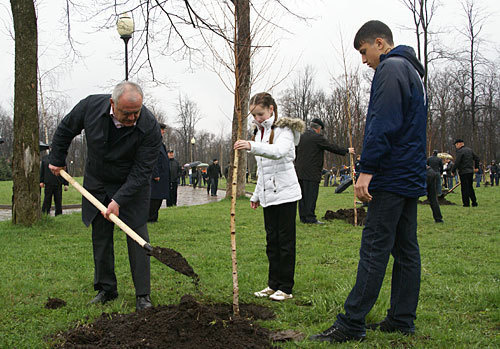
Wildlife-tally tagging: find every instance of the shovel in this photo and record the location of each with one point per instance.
(167, 256)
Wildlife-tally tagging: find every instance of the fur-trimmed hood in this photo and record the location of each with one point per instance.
(296, 125)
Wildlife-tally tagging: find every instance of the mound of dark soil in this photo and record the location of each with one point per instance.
(441, 201)
(54, 303)
(347, 215)
(187, 325)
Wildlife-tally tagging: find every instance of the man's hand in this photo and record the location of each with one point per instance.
(361, 187)
(65, 188)
(157, 179)
(351, 151)
(254, 205)
(42, 185)
(55, 170)
(113, 208)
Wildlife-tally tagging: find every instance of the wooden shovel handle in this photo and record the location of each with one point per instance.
(143, 243)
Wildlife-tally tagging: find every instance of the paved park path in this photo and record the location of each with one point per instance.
(186, 196)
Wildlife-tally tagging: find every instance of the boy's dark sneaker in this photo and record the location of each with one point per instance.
(335, 334)
(386, 326)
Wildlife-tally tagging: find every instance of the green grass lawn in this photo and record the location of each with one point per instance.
(459, 296)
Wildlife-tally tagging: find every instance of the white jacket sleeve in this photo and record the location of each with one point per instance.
(276, 150)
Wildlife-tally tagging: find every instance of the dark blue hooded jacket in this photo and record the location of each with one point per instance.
(395, 131)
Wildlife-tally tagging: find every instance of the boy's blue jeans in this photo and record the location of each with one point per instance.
(391, 228)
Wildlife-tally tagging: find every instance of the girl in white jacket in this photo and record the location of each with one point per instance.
(277, 190)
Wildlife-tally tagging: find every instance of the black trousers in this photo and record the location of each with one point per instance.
(307, 205)
(432, 197)
(467, 189)
(212, 186)
(154, 207)
(104, 258)
(279, 221)
(49, 192)
(173, 194)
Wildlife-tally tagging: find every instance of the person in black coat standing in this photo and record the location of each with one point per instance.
(466, 163)
(213, 172)
(437, 166)
(175, 173)
(432, 195)
(309, 164)
(123, 140)
(160, 181)
(52, 187)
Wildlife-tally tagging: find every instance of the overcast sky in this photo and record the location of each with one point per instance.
(316, 43)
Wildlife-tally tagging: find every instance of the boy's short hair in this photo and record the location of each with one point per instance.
(370, 31)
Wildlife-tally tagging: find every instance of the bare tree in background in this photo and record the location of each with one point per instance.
(472, 31)
(26, 159)
(298, 101)
(188, 116)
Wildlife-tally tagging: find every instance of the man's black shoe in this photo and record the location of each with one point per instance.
(474, 204)
(439, 221)
(104, 297)
(335, 334)
(385, 326)
(143, 302)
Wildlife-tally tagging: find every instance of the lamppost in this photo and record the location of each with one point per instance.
(193, 141)
(125, 27)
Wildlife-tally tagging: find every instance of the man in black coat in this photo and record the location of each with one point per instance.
(309, 164)
(160, 181)
(175, 173)
(437, 166)
(432, 195)
(213, 173)
(52, 187)
(123, 141)
(466, 163)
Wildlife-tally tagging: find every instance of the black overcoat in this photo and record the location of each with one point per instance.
(161, 189)
(120, 170)
(310, 155)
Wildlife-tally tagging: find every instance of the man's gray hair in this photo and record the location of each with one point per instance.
(124, 86)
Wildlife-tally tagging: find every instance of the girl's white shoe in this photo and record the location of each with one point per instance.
(280, 296)
(265, 292)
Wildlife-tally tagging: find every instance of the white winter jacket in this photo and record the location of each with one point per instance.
(277, 181)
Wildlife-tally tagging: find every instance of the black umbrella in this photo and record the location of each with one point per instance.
(194, 163)
(343, 186)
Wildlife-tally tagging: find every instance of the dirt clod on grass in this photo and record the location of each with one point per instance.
(186, 325)
(347, 215)
(54, 303)
(174, 260)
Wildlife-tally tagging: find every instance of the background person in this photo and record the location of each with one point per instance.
(309, 166)
(437, 166)
(52, 188)
(432, 195)
(277, 190)
(213, 173)
(123, 141)
(160, 181)
(175, 174)
(494, 172)
(466, 163)
(392, 177)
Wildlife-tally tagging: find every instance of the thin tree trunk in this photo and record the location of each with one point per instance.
(26, 156)
(242, 66)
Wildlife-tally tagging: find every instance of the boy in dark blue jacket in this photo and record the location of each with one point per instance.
(392, 177)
